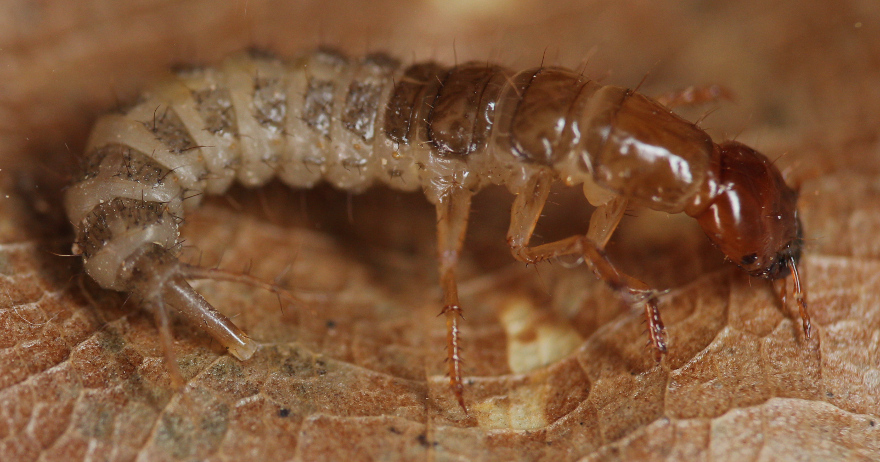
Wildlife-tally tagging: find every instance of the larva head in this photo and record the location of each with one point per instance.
(753, 216)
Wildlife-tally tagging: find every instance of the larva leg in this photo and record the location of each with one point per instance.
(452, 218)
(525, 214)
(528, 206)
(605, 219)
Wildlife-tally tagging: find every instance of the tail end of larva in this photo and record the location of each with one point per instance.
(243, 349)
(191, 305)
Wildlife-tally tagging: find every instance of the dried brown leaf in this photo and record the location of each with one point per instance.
(555, 367)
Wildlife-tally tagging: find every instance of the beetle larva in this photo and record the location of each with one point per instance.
(449, 131)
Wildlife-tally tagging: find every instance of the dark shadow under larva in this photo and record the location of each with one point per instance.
(448, 131)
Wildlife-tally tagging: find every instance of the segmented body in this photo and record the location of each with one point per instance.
(323, 117)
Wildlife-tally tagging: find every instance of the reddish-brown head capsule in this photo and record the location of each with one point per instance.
(753, 215)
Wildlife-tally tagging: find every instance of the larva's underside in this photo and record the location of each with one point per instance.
(323, 117)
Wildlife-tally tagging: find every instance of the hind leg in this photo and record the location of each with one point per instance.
(452, 218)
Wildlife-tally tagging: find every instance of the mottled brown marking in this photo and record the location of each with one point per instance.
(453, 120)
(418, 84)
(361, 106)
(215, 107)
(126, 162)
(170, 130)
(318, 107)
(270, 102)
(121, 212)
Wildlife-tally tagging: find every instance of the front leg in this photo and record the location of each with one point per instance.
(524, 216)
(452, 218)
